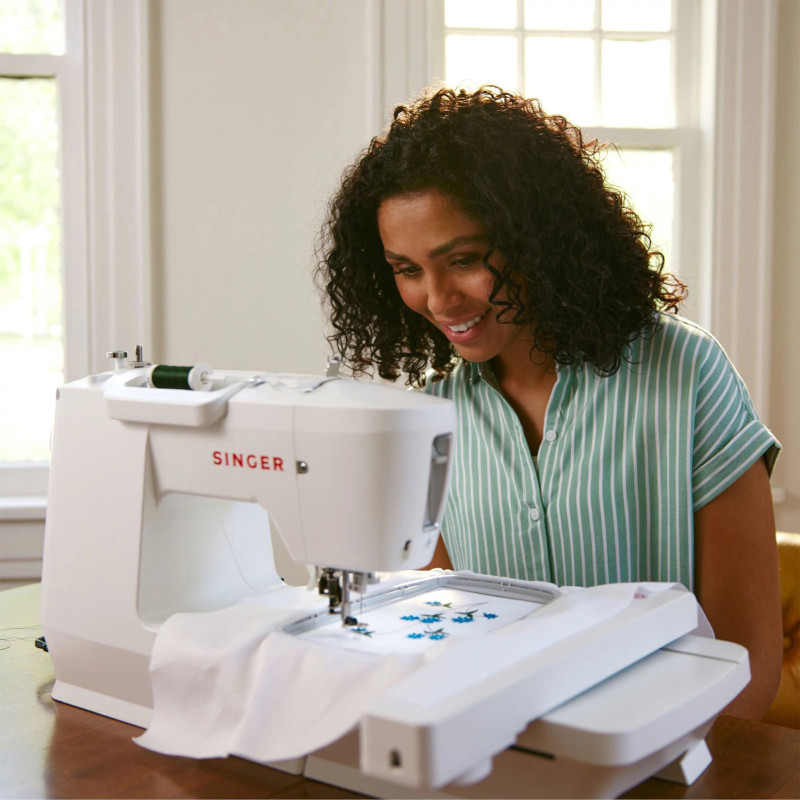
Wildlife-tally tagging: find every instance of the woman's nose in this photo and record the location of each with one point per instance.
(443, 294)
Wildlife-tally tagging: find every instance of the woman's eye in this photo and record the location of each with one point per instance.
(464, 261)
(407, 272)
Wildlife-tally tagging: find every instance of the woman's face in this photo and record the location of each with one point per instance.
(437, 252)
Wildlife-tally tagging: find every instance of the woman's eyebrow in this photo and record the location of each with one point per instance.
(440, 250)
(448, 246)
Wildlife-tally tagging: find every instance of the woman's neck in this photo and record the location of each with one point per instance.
(526, 380)
(523, 367)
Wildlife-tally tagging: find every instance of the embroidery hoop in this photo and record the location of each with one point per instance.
(538, 594)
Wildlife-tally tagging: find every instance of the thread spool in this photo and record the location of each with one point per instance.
(196, 378)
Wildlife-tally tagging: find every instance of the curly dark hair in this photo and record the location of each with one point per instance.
(571, 244)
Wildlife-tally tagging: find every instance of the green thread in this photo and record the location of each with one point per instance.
(164, 376)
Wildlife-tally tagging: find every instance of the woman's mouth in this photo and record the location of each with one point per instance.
(464, 330)
(465, 326)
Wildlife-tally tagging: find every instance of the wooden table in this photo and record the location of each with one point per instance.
(48, 749)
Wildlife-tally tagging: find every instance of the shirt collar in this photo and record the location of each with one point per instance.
(478, 371)
(482, 371)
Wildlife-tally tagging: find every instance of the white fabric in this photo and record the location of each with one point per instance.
(232, 682)
(416, 624)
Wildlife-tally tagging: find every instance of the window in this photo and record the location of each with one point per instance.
(626, 72)
(42, 247)
(31, 346)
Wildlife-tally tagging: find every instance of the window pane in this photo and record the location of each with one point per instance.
(31, 352)
(568, 87)
(637, 15)
(31, 26)
(636, 84)
(480, 13)
(471, 61)
(647, 178)
(559, 15)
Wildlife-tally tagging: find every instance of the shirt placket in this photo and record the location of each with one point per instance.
(535, 537)
(548, 459)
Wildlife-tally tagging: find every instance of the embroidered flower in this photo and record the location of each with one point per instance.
(489, 615)
(429, 620)
(416, 635)
(410, 618)
(463, 619)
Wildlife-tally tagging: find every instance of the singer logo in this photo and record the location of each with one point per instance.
(247, 460)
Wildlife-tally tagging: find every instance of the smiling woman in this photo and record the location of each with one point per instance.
(601, 438)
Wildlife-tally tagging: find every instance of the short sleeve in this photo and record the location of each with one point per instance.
(728, 436)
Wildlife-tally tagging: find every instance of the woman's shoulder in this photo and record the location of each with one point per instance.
(675, 326)
(682, 350)
(674, 336)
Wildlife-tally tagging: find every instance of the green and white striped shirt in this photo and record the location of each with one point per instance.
(624, 463)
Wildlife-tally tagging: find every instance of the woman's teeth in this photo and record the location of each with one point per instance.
(465, 326)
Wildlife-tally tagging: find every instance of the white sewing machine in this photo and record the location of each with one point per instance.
(160, 502)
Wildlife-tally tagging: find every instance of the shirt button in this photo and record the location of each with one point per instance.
(551, 435)
(534, 514)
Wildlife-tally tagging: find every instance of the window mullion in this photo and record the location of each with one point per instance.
(74, 197)
(521, 43)
(598, 61)
(25, 65)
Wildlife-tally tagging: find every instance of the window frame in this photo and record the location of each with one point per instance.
(24, 485)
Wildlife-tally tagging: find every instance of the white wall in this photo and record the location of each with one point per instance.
(256, 108)
(785, 384)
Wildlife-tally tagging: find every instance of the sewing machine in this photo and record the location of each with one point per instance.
(185, 489)
(158, 503)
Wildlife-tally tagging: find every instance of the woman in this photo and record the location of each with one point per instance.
(477, 249)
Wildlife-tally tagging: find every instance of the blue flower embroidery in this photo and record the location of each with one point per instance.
(461, 618)
(435, 635)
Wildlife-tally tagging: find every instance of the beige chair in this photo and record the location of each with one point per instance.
(785, 709)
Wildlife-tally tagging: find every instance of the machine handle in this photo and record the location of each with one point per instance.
(131, 400)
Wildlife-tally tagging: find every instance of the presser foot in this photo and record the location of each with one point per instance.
(337, 584)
